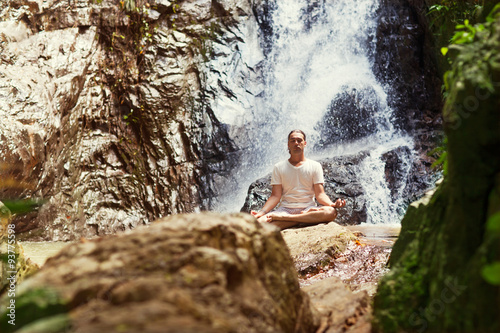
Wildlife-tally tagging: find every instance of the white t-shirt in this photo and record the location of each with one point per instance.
(297, 182)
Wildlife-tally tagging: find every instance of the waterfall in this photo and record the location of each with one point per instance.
(318, 76)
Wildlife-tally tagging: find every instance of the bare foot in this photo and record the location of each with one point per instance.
(264, 219)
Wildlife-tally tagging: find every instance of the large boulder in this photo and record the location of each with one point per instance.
(315, 246)
(185, 273)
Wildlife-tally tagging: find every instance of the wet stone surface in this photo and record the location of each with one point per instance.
(363, 263)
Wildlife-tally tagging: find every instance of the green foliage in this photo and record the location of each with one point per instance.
(128, 5)
(203, 44)
(13, 187)
(468, 52)
(31, 306)
(491, 273)
(130, 118)
(457, 10)
(445, 15)
(60, 323)
(438, 8)
(126, 37)
(23, 206)
(441, 162)
(493, 224)
(465, 33)
(461, 14)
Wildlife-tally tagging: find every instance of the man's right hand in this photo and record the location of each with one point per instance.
(257, 214)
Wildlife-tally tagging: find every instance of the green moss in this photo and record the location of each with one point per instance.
(55, 324)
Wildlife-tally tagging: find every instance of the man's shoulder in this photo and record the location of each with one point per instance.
(281, 164)
(313, 162)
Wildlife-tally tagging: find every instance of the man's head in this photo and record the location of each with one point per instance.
(297, 131)
(296, 142)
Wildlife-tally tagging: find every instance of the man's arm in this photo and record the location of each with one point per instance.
(273, 200)
(323, 199)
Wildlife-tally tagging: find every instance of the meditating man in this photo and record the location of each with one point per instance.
(295, 183)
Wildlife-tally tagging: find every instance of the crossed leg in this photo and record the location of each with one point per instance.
(311, 216)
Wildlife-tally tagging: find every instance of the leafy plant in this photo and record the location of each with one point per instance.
(126, 40)
(447, 14)
(465, 33)
(14, 190)
(441, 162)
(23, 206)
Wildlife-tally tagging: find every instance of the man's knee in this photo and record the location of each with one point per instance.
(331, 212)
(284, 224)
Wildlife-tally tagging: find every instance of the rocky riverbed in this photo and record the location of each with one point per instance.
(362, 263)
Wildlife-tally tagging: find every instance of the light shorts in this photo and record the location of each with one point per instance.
(293, 211)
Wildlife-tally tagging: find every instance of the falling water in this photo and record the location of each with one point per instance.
(320, 54)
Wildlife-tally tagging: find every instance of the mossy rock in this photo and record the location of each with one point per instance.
(435, 283)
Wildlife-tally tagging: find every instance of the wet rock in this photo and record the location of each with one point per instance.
(342, 181)
(341, 123)
(406, 65)
(185, 273)
(315, 246)
(359, 267)
(258, 192)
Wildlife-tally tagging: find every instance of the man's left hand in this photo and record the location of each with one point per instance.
(339, 203)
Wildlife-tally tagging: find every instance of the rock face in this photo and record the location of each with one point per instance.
(187, 273)
(105, 105)
(436, 282)
(405, 65)
(343, 180)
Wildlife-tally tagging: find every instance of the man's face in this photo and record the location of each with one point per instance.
(296, 143)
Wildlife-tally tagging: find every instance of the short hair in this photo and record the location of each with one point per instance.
(297, 131)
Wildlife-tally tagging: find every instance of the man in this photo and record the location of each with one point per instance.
(295, 183)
